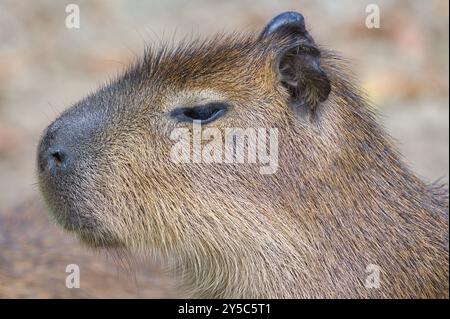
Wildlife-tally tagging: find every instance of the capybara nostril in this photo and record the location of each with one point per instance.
(57, 158)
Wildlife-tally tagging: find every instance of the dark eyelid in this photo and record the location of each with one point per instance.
(205, 113)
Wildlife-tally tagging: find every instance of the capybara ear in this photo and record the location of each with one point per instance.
(298, 61)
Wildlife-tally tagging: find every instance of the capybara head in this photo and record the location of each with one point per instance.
(106, 165)
(152, 161)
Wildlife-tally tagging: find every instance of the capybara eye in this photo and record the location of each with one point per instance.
(204, 113)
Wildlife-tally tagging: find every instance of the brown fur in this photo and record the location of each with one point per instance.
(341, 199)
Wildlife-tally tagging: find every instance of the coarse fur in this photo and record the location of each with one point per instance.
(341, 199)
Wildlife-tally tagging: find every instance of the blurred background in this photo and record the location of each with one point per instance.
(45, 67)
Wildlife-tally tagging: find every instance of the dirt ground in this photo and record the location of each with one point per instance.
(45, 67)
